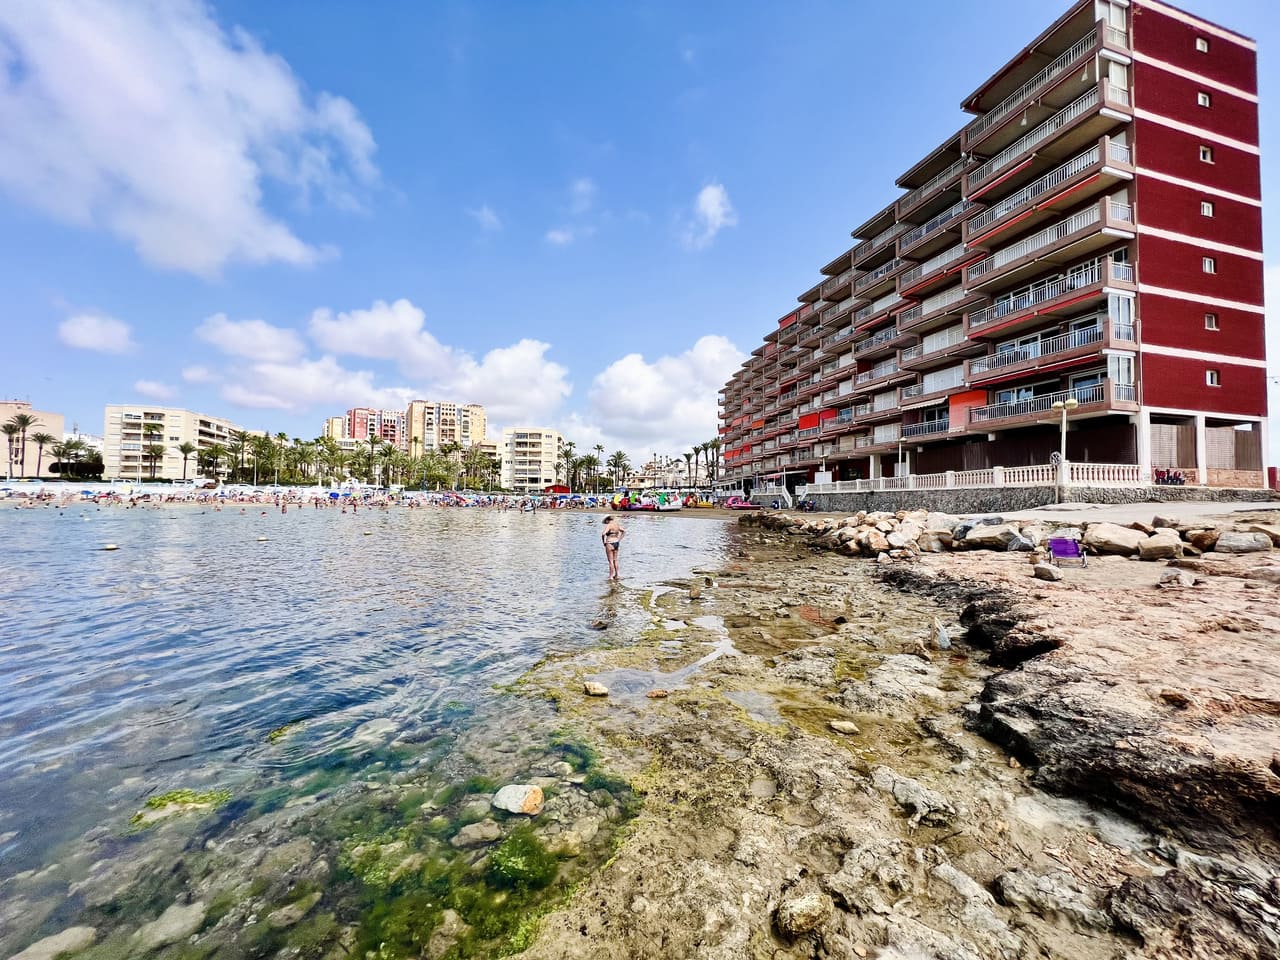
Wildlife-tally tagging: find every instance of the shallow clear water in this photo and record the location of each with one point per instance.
(167, 662)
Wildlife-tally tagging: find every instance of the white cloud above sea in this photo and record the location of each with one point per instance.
(712, 212)
(97, 332)
(84, 83)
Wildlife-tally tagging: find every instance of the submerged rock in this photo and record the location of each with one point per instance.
(476, 834)
(178, 922)
(847, 727)
(69, 940)
(519, 798)
(593, 689)
(373, 731)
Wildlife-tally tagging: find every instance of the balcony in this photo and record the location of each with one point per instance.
(835, 338)
(1085, 231)
(882, 374)
(932, 273)
(841, 421)
(949, 177)
(926, 428)
(877, 282)
(1087, 118)
(868, 249)
(1051, 296)
(926, 239)
(872, 311)
(883, 341)
(1105, 397)
(938, 348)
(1100, 167)
(990, 130)
(886, 437)
(937, 309)
(1052, 351)
(839, 285)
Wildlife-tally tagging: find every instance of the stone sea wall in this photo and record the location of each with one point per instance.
(1008, 499)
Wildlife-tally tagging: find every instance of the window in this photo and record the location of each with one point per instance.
(1212, 378)
(1206, 208)
(1202, 44)
(1206, 154)
(1202, 98)
(1209, 264)
(1211, 321)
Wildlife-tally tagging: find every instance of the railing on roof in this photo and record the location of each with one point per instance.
(1060, 65)
(908, 200)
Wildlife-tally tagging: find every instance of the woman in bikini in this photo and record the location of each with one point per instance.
(612, 535)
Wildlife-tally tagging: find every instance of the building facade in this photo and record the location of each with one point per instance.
(530, 458)
(30, 461)
(1088, 246)
(432, 425)
(129, 429)
(361, 423)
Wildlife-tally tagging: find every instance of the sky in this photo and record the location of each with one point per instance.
(581, 215)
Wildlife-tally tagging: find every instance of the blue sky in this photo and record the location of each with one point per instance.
(579, 214)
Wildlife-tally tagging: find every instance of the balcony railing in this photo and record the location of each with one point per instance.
(871, 309)
(1037, 136)
(884, 336)
(837, 337)
(834, 311)
(910, 353)
(869, 279)
(1061, 64)
(1042, 291)
(1094, 394)
(875, 243)
(909, 200)
(1044, 238)
(927, 428)
(1036, 188)
(948, 256)
(937, 223)
(835, 283)
(912, 390)
(1049, 346)
(1117, 36)
(940, 300)
(884, 369)
(808, 432)
(911, 314)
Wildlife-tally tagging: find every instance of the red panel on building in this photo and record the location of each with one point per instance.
(1173, 41)
(1174, 152)
(1176, 97)
(827, 414)
(1167, 206)
(1174, 322)
(1180, 266)
(808, 420)
(1180, 383)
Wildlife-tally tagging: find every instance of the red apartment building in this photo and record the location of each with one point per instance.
(1093, 234)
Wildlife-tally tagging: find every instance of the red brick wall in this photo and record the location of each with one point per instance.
(1171, 95)
(1178, 266)
(1173, 322)
(1180, 383)
(1166, 38)
(1174, 152)
(1168, 206)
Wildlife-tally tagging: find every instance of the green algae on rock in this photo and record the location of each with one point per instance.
(174, 802)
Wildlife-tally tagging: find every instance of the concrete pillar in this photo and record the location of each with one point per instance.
(1142, 423)
(876, 472)
(1266, 453)
(1202, 451)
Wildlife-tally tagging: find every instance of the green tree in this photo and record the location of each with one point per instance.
(688, 465)
(154, 451)
(590, 469)
(237, 448)
(214, 454)
(24, 422)
(41, 440)
(714, 446)
(11, 432)
(619, 466)
(186, 448)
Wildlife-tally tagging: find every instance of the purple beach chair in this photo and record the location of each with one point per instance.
(1066, 548)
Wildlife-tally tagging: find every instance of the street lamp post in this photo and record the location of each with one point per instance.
(1066, 406)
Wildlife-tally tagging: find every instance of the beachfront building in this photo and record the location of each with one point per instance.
(432, 425)
(530, 458)
(129, 429)
(25, 460)
(1084, 255)
(361, 423)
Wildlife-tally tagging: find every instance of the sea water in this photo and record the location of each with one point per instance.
(168, 663)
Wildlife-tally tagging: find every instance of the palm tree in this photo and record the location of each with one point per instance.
(238, 446)
(155, 451)
(618, 465)
(713, 445)
(186, 448)
(214, 454)
(590, 465)
(41, 440)
(24, 422)
(11, 431)
(688, 468)
(281, 437)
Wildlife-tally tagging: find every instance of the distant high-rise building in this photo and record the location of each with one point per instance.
(529, 458)
(361, 423)
(431, 425)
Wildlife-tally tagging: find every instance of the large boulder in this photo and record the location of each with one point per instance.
(1164, 544)
(1113, 538)
(1241, 541)
(1271, 531)
(1204, 540)
(941, 521)
(993, 537)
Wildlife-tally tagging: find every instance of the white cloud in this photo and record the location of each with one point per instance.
(149, 120)
(385, 331)
(712, 212)
(560, 236)
(515, 383)
(582, 194)
(154, 389)
(307, 384)
(666, 405)
(487, 218)
(254, 339)
(96, 331)
(198, 374)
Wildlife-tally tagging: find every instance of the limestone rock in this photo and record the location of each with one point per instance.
(1164, 544)
(178, 922)
(1112, 538)
(847, 727)
(941, 521)
(657, 694)
(519, 798)
(1046, 571)
(291, 913)
(476, 834)
(1020, 544)
(1177, 578)
(69, 940)
(374, 731)
(1271, 531)
(1204, 540)
(1164, 522)
(1054, 896)
(924, 805)
(802, 910)
(990, 536)
(593, 689)
(1266, 574)
(1239, 541)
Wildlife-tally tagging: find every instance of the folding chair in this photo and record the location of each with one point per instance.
(1066, 548)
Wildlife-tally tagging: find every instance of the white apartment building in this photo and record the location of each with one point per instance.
(431, 424)
(529, 457)
(128, 429)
